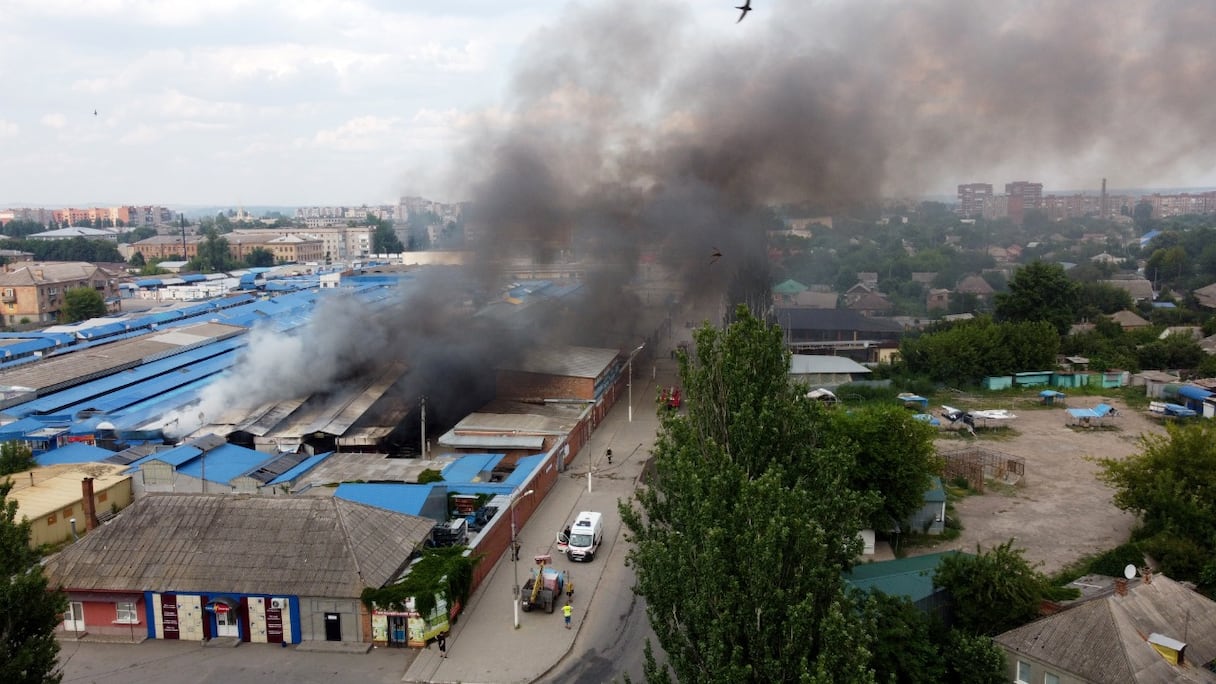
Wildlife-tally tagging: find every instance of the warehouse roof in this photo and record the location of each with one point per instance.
(575, 362)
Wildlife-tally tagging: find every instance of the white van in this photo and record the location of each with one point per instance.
(586, 535)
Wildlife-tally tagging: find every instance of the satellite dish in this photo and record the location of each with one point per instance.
(1130, 571)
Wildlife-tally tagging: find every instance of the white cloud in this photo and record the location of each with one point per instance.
(54, 120)
(360, 133)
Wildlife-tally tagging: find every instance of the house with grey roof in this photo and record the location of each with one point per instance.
(197, 567)
(816, 370)
(1140, 289)
(1149, 630)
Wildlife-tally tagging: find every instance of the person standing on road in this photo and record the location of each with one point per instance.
(441, 640)
(569, 588)
(567, 611)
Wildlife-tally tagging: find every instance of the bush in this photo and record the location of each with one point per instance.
(1177, 557)
(429, 475)
(1111, 563)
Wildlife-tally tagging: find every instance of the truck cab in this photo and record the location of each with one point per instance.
(586, 535)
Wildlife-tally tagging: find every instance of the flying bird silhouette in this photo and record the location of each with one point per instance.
(745, 8)
(94, 112)
(713, 258)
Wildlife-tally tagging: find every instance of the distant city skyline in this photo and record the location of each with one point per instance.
(243, 102)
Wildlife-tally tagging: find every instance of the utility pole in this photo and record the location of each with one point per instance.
(182, 220)
(422, 403)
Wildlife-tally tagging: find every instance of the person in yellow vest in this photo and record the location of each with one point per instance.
(567, 611)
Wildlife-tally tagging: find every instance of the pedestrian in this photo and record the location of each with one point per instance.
(515, 549)
(610, 457)
(567, 611)
(569, 588)
(441, 640)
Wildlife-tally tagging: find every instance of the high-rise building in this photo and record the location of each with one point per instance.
(1023, 195)
(971, 198)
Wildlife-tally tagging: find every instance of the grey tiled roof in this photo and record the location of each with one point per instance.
(306, 546)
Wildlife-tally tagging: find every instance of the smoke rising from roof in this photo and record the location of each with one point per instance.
(628, 132)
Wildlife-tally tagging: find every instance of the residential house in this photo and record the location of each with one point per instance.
(814, 299)
(786, 292)
(1140, 289)
(1147, 630)
(871, 304)
(197, 567)
(1129, 320)
(930, 518)
(1190, 332)
(938, 298)
(1206, 296)
(36, 291)
(975, 285)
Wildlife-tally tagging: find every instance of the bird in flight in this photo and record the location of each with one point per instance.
(717, 253)
(744, 9)
(94, 112)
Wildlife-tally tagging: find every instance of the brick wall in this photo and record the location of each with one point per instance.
(520, 385)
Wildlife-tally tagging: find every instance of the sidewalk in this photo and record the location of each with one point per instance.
(483, 645)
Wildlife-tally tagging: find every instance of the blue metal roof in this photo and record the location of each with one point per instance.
(26, 347)
(1193, 392)
(224, 463)
(469, 467)
(180, 366)
(399, 498)
(524, 468)
(148, 282)
(301, 468)
(105, 330)
(18, 429)
(77, 452)
(176, 457)
(194, 277)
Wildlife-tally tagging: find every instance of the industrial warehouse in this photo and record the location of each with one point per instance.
(181, 486)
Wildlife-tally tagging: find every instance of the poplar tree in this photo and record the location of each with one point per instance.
(741, 536)
(29, 613)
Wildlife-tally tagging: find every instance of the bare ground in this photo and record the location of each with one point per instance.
(1060, 511)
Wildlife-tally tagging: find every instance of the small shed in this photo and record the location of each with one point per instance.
(997, 382)
(1050, 397)
(913, 401)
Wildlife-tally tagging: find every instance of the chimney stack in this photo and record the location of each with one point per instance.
(1102, 213)
(1120, 586)
(90, 506)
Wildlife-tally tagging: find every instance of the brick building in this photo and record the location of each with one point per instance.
(35, 291)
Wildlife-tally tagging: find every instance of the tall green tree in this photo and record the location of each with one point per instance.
(29, 613)
(1039, 291)
(992, 591)
(1169, 484)
(384, 238)
(213, 254)
(743, 532)
(15, 457)
(81, 303)
(259, 256)
(894, 457)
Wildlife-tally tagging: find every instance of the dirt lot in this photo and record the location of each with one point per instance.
(1060, 511)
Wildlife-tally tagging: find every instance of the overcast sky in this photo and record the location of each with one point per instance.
(248, 101)
(307, 102)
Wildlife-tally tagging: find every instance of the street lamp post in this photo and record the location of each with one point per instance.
(515, 557)
(629, 383)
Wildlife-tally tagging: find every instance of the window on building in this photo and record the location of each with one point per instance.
(50, 519)
(1023, 673)
(67, 512)
(1049, 678)
(52, 291)
(102, 496)
(126, 613)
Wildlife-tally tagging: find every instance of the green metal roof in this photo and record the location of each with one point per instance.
(911, 577)
(935, 493)
(790, 287)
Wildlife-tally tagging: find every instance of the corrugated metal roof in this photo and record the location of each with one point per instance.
(300, 469)
(224, 463)
(805, 364)
(399, 498)
(574, 362)
(911, 577)
(504, 442)
(77, 452)
(471, 468)
(524, 468)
